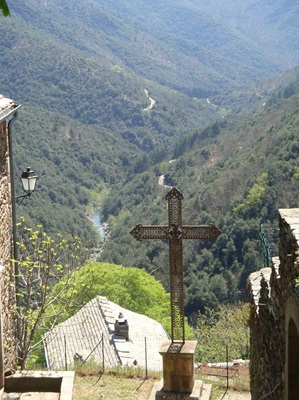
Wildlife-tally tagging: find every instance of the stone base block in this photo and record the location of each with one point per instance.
(178, 366)
(201, 391)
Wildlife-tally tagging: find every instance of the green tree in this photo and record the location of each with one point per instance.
(216, 329)
(44, 261)
(4, 8)
(133, 288)
(255, 196)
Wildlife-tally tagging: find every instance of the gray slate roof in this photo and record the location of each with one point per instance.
(6, 107)
(90, 335)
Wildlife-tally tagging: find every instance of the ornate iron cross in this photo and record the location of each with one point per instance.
(175, 232)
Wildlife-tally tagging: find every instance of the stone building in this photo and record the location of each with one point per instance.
(8, 111)
(275, 318)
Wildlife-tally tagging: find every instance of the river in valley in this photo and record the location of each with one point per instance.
(96, 219)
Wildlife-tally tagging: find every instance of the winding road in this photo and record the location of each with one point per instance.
(152, 101)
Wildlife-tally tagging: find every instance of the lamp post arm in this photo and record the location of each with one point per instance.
(22, 197)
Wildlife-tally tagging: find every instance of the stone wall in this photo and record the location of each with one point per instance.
(7, 296)
(274, 318)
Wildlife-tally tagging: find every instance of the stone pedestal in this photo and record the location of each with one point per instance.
(178, 374)
(178, 366)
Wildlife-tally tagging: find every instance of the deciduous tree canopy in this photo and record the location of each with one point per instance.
(4, 8)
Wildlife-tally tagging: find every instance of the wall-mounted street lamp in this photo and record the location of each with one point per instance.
(28, 179)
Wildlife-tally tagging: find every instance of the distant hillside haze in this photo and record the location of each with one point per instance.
(176, 44)
(272, 24)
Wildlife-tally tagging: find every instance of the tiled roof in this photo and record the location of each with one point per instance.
(6, 105)
(89, 334)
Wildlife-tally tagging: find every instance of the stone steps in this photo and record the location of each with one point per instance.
(201, 391)
(206, 391)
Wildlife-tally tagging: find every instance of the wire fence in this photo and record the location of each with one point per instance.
(62, 353)
(229, 374)
(148, 362)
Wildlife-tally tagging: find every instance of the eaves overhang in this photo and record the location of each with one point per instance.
(7, 108)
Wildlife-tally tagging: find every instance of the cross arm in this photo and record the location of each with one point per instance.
(201, 232)
(142, 232)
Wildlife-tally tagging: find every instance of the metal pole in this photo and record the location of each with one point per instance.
(226, 367)
(2, 379)
(46, 355)
(65, 357)
(145, 350)
(103, 352)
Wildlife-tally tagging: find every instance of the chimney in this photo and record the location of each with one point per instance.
(121, 326)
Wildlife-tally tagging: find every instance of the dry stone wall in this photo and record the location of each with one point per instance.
(7, 295)
(274, 302)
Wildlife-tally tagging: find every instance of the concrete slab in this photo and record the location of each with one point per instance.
(206, 391)
(31, 396)
(39, 385)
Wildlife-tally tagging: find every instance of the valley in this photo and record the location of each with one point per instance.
(121, 101)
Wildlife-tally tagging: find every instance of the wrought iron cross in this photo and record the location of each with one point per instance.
(175, 232)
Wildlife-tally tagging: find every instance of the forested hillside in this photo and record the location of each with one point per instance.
(236, 174)
(48, 76)
(120, 101)
(171, 43)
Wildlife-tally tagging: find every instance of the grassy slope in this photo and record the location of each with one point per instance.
(132, 385)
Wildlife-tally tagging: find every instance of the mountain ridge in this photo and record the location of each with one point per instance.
(176, 60)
